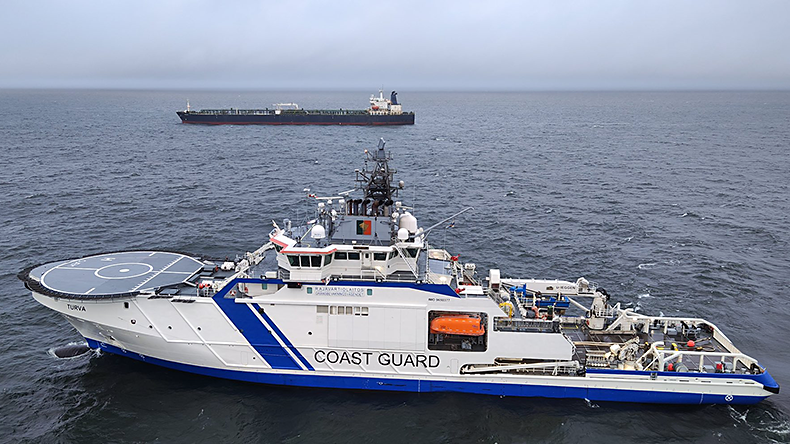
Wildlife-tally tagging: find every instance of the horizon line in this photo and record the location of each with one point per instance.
(415, 89)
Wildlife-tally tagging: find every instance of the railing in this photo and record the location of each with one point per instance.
(565, 368)
(526, 325)
(628, 316)
(369, 276)
(607, 312)
(33, 284)
(686, 360)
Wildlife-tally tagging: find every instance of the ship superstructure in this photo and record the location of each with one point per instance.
(356, 297)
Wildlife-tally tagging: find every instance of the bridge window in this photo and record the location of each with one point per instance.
(379, 256)
(353, 256)
(412, 252)
(305, 261)
(341, 255)
(328, 259)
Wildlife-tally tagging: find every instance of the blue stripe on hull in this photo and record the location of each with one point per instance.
(256, 333)
(279, 333)
(310, 379)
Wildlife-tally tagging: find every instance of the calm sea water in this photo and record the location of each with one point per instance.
(676, 203)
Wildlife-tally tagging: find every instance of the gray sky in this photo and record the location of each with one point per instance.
(441, 45)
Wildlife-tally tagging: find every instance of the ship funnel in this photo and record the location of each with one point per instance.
(394, 98)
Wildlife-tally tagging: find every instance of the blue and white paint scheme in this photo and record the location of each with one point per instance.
(357, 298)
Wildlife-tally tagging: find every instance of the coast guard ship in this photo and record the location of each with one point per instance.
(357, 298)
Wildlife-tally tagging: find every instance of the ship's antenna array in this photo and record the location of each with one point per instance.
(376, 181)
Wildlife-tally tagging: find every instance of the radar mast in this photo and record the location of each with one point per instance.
(375, 180)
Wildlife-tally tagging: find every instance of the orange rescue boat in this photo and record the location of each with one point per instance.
(465, 325)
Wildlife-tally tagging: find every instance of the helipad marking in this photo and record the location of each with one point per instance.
(123, 270)
(181, 256)
(57, 267)
(109, 278)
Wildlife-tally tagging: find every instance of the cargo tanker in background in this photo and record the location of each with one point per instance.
(382, 111)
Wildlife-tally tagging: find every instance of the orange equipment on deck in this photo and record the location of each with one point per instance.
(465, 325)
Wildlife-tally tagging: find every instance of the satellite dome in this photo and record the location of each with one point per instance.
(408, 222)
(318, 232)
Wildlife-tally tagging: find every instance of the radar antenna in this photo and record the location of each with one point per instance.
(376, 179)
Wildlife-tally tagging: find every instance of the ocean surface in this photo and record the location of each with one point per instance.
(676, 203)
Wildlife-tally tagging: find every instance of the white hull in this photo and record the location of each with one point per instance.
(166, 333)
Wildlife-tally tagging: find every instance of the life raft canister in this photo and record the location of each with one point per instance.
(464, 325)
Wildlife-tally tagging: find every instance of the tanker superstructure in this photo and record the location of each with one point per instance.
(356, 297)
(382, 111)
